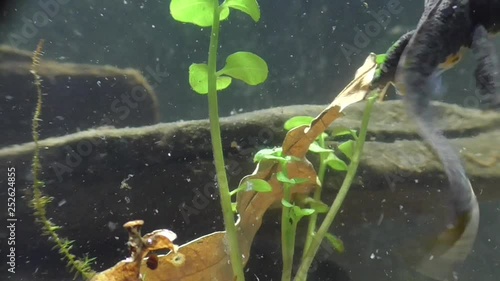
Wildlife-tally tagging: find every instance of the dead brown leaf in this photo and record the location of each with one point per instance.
(298, 140)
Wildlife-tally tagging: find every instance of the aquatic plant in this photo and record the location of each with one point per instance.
(315, 241)
(40, 201)
(291, 213)
(205, 79)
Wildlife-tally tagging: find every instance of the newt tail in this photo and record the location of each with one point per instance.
(414, 63)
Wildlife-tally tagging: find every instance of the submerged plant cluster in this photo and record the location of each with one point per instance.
(290, 173)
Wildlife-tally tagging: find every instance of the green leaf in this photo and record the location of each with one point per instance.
(199, 12)
(380, 59)
(258, 185)
(286, 203)
(247, 67)
(268, 153)
(336, 243)
(198, 79)
(250, 7)
(347, 148)
(317, 205)
(299, 212)
(283, 178)
(316, 148)
(335, 163)
(297, 121)
(343, 131)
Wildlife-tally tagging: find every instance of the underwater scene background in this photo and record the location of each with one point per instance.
(124, 136)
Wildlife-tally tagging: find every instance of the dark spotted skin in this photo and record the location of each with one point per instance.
(445, 31)
(445, 28)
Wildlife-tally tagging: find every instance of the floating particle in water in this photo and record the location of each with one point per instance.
(98, 83)
(124, 184)
(62, 202)
(127, 199)
(372, 256)
(112, 225)
(380, 219)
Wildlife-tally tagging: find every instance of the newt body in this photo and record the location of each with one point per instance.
(446, 29)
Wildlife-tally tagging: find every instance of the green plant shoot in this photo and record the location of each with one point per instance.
(205, 79)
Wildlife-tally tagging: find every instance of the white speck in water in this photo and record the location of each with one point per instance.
(62, 202)
(372, 256)
(153, 26)
(125, 2)
(9, 97)
(169, 155)
(127, 199)
(99, 83)
(380, 219)
(333, 28)
(431, 257)
(117, 238)
(112, 225)
(400, 207)
(188, 179)
(416, 180)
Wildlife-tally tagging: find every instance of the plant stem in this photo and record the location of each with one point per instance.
(311, 228)
(225, 197)
(287, 236)
(337, 203)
